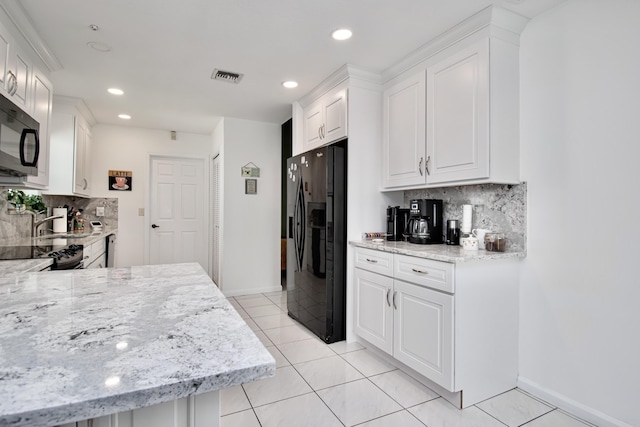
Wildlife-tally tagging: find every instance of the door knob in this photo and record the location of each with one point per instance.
(154, 226)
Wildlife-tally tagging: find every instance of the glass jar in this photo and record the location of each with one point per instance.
(495, 242)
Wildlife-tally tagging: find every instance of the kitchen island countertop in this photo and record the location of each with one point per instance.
(79, 344)
(447, 253)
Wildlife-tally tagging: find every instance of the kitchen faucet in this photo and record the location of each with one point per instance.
(36, 224)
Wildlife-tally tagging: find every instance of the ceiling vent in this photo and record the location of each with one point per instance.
(226, 76)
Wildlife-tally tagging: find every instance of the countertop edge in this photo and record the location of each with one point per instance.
(442, 252)
(140, 398)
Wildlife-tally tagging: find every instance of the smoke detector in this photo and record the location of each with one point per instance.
(226, 76)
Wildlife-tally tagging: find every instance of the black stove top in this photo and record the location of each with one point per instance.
(24, 252)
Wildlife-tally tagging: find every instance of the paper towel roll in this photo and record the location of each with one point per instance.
(60, 225)
(466, 218)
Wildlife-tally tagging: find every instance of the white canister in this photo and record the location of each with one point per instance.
(469, 243)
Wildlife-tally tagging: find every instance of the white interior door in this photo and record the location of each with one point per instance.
(177, 212)
(215, 204)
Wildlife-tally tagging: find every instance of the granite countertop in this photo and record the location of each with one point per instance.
(79, 344)
(446, 253)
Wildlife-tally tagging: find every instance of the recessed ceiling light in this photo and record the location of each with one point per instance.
(124, 116)
(290, 84)
(115, 91)
(100, 47)
(341, 34)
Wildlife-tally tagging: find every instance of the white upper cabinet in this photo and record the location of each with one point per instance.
(325, 120)
(453, 117)
(458, 116)
(403, 138)
(15, 70)
(29, 88)
(42, 100)
(70, 169)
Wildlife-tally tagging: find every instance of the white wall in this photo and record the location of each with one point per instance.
(128, 148)
(580, 125)
(251, 234)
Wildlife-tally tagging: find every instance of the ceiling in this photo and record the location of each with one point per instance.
(163, 52)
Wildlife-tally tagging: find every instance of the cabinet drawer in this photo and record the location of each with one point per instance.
(375, 261)
(425, 272)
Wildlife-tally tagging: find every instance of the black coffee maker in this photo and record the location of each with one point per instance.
(425, 222)
(397, 219)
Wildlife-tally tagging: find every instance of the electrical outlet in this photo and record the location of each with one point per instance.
(99, 210)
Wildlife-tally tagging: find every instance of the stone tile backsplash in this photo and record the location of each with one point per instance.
(88, 207)
(19, 226)
(497, 207)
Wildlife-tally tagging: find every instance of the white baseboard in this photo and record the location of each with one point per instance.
(569, 405)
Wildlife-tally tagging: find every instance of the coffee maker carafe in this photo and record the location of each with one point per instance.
(425, 221)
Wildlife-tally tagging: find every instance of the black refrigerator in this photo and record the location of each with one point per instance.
(317, 239)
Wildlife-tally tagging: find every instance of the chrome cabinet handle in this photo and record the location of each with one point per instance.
(388, 301)
(323, 131)
(371, 260)
(394, 300)
(420, 166)
(320, 132)
(419, 271)
(86, 183)
(13, 83)
(426, 165)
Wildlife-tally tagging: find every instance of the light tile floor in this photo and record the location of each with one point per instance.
(343, 384)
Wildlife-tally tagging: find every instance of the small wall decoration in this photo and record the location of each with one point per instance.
(250, 169)
(250, 186)
(120, 180)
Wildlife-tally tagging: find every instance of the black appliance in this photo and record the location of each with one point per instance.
(64, 258)
(19, 143)
(425, 221)
(397, 219)
(453, 232)
(69, 258)
(317, 240)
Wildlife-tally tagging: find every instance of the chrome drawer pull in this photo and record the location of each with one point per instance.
(419, 271)
(371, 260)
(388, 292)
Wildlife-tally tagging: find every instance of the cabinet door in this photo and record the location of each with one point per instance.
(22, 72)
(80, 183)
(41, 110)
(5, 42)
(423, 331)
(373, 313)
(335, 116)
(313, 121)
(88, 170)
(458, 116)
(403, 142)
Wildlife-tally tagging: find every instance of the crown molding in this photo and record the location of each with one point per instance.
(77, 103)
(18, 16)
(499, 22)
(345, 72)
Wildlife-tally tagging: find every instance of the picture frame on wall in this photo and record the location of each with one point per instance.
(250, 186)
(120, 180)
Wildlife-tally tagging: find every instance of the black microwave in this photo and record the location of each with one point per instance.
(19, 142)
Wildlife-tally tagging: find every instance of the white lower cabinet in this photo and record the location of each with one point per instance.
(423, 331)
(202, 410)
(95, 255)
(454, 324)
